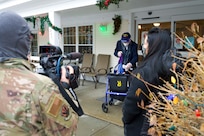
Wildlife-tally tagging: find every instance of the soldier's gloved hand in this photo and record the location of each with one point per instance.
(63, 75)
(120, 53)
(68, 70)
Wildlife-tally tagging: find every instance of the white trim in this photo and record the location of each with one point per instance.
(188, 17)
(12, 3)
(169, 6)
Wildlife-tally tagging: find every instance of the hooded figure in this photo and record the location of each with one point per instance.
(31, 104)
(15, 36)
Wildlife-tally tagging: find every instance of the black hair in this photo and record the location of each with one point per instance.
(150, 68)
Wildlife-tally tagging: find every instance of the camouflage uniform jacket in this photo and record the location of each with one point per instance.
(31, 104)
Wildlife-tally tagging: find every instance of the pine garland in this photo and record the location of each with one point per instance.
(43, 20)
(103, 4)
(117, 23)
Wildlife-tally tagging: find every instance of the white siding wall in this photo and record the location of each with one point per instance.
(43, 39)
(106, 41)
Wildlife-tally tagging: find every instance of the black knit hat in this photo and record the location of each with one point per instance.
(14, 36)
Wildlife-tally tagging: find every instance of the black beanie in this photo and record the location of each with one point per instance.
(14, 36)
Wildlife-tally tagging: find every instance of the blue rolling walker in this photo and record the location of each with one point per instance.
(116, 88)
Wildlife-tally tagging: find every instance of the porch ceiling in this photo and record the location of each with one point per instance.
(75, 6)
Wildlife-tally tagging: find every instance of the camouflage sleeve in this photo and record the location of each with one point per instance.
(58, 117)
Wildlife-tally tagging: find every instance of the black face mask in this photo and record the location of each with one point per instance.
(14, 36)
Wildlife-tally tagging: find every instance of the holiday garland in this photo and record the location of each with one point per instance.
(42, 23)
(117, 23)
(103, 4)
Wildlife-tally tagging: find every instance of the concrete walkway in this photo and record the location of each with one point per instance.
(89, 126)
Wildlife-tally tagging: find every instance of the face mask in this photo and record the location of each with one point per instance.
(144, 52)
(125, 44)
(145, 46)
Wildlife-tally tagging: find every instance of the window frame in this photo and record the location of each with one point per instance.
(34, 44)
(77, 44)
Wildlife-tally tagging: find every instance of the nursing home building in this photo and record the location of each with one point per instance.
(81, 26)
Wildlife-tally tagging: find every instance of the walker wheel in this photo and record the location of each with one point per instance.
(105, 108)
(111, 102)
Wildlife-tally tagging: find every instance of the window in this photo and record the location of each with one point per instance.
(34, 45)
(181, 29)
(144, 28)
(85, 39)
(78, 39)
(69, 39)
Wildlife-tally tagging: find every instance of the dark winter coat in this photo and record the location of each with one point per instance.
(129, 55)
(135, 122)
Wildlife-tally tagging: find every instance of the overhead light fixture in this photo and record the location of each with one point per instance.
(139, 27)
(156, 24)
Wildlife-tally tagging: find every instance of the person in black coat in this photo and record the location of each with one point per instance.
(128, 50)
(156, 65)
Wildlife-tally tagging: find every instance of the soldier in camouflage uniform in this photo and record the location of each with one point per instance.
(31, 104)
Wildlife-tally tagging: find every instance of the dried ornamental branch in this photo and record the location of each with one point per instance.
(178, 109)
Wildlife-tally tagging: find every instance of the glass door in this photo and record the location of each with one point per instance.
(185, 30)
(143, 30)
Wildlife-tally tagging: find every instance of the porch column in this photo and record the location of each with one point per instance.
(132, 26)
(55, 38)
